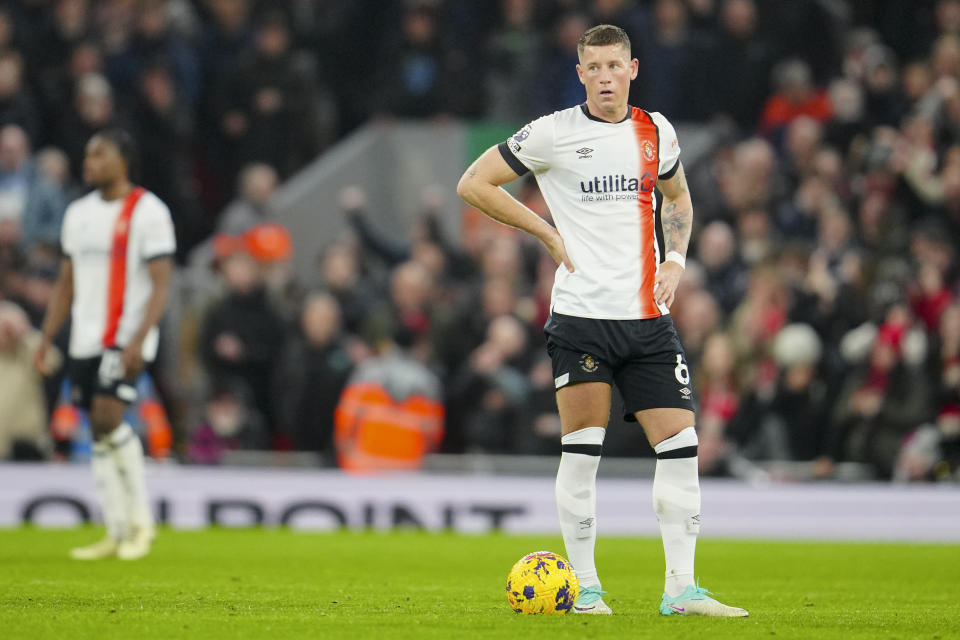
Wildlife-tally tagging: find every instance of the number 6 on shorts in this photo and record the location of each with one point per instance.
(681, 371)
(111, 368)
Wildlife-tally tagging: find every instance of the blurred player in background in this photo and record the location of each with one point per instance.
(597, 165)
(118, 243)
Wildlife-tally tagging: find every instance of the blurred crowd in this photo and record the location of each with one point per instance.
(819, 306)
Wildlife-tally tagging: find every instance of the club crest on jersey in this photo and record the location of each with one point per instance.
(648, 151)
(588, 363)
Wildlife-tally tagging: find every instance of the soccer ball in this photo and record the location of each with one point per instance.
(542, 582)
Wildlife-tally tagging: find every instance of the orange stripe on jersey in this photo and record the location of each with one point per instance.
(648, 146)
(117, 283)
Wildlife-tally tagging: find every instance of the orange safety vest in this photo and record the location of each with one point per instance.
(375, 432)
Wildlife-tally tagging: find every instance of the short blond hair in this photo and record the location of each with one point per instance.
(603, 35)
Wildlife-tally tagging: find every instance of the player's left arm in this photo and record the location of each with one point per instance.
(160, 269)
(676, 218)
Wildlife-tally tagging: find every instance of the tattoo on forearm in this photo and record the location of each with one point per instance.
(677, 215)
(677, 222)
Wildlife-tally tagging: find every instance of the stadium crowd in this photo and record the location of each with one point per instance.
(818, 309)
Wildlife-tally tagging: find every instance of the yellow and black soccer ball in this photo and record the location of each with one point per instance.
(542, 582)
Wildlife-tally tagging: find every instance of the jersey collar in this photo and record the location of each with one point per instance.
(586, 112)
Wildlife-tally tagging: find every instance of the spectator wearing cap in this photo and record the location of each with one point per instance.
(241, 335)
(270, 245)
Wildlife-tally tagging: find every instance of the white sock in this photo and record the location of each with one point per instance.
(676, 500)
(577, 499)
(128, 453)
(106, 478)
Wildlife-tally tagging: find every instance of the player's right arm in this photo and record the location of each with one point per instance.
(480, 186)
(57, 312)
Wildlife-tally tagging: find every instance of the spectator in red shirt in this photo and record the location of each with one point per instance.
(796, 96)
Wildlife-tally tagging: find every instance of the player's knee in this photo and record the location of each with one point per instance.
(101, 424)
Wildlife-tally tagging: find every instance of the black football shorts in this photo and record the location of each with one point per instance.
(101, 375)
(644, 358)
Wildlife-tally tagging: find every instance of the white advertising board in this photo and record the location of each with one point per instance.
(58, 495)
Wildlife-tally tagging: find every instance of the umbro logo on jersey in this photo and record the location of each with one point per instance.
(584, 153)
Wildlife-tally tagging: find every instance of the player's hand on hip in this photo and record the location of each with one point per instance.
(554, 244)
(132, 357)
(668, 279)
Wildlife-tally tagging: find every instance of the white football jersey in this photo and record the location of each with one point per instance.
(598, 179)
(87, 239)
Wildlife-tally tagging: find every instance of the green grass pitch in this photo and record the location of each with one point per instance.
(268, 583)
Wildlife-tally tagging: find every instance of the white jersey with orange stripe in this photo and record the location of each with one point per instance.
(596, 178)
(87, 238)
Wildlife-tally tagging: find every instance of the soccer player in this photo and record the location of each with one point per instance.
(118, 243)
(597, 165)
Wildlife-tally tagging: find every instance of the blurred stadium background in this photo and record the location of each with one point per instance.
(337, 310)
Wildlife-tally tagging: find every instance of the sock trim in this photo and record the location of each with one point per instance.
(682, 452)
(127, 438)
(685, 438)
(587, 435)
(584, 449)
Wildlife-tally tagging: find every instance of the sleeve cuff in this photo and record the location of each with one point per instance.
(518, 167)
(669, 174)
(159, 256)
